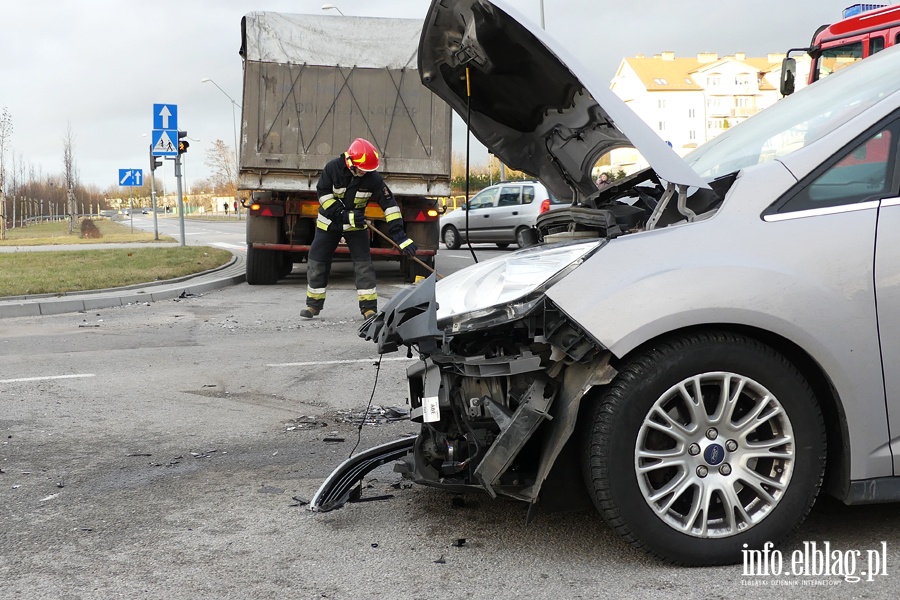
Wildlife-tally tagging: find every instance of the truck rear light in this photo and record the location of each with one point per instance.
(266, 210)
(432, 213)
(545, 205)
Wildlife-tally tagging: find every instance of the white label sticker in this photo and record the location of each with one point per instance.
(431, 409)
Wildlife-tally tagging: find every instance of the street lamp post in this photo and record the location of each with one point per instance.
(332, 7)
(234, 126)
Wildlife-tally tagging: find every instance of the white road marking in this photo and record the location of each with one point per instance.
(443, 256)
(335, 362)
(228, 246)
(46, 378)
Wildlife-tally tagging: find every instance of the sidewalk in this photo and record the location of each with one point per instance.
(53, 304)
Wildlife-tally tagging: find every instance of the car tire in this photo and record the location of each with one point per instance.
(502, 245)
(451, 238)
(666, 459)
(525, 237)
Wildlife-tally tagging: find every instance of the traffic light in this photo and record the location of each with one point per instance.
(155, 161)
(183, 144)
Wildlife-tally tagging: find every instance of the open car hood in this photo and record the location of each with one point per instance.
(536, 107)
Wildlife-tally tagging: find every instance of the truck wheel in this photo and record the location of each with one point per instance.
(704, 446)
(414, 269)
(286, 265)
(450, 235)
(262, 266)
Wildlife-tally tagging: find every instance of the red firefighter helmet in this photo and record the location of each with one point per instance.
(362, 155)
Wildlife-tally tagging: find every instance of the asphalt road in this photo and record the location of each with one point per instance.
(158, 450)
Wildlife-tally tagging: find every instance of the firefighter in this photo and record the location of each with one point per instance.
(346, 186)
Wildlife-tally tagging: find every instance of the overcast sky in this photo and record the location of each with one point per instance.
(100, 65)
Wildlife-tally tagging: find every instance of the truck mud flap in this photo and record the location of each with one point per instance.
(335, 491)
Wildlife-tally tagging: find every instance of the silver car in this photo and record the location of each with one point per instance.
(699, 376)
(504, 213)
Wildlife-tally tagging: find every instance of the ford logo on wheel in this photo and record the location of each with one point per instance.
(714, 454)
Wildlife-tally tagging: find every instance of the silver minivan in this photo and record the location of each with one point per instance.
(702, 374)
(503, 214)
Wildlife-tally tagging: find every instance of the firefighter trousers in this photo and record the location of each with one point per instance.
(318, 267)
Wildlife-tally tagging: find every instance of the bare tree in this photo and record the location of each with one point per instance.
(70, 172)
(6, 128)
(221, 161)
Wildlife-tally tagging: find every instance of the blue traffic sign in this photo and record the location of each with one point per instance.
(165, 116)
(131, 177)
(165, 142)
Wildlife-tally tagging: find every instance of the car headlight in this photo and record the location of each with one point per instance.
(506, 287)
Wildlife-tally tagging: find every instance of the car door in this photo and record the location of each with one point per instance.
(887, 277)
(480, 209)
(841, 222)
(507, 215)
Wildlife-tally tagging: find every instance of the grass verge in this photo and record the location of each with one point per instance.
(57, 233)
(51, 272)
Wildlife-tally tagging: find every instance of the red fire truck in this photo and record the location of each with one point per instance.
(864, 30)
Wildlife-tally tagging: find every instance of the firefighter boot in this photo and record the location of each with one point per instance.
(309, 312)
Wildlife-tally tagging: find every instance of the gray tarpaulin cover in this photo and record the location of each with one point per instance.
(331, 40)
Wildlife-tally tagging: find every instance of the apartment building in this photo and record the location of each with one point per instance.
(690, 100)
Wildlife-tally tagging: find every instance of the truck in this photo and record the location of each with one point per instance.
(864, 30)
(312, 84)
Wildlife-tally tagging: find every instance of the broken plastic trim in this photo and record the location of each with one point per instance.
(336, 489)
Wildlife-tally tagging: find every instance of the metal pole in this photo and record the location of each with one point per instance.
(542, 15)
(237, 200)
(153, 168)
(131, 207)
(153, 204)
(180, 197)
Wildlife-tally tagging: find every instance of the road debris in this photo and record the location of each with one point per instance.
(376, 415)
(304, 422)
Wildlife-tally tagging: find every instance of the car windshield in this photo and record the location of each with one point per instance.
(800, 119)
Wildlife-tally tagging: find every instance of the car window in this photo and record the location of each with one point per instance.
(483, 199)
(862, 174)
(509, 195)
(527, 194)
(834, 59)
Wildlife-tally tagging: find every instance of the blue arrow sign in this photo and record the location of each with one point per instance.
(165, 142)
(131, 177)
(165, 116)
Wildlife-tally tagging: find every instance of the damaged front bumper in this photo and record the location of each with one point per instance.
(497, 405)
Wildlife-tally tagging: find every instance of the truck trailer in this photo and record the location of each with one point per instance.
(312, 84)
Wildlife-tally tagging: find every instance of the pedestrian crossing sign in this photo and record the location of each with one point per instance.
(165, 142)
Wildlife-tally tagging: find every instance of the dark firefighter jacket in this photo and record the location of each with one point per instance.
(339, 191)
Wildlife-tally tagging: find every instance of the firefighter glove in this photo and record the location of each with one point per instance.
(333, 211)
(355, 218)
(404, 243)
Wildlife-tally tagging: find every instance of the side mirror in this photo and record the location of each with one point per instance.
(788, 76)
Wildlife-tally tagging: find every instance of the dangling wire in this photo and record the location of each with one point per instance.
(368, 406)
(468, 140)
